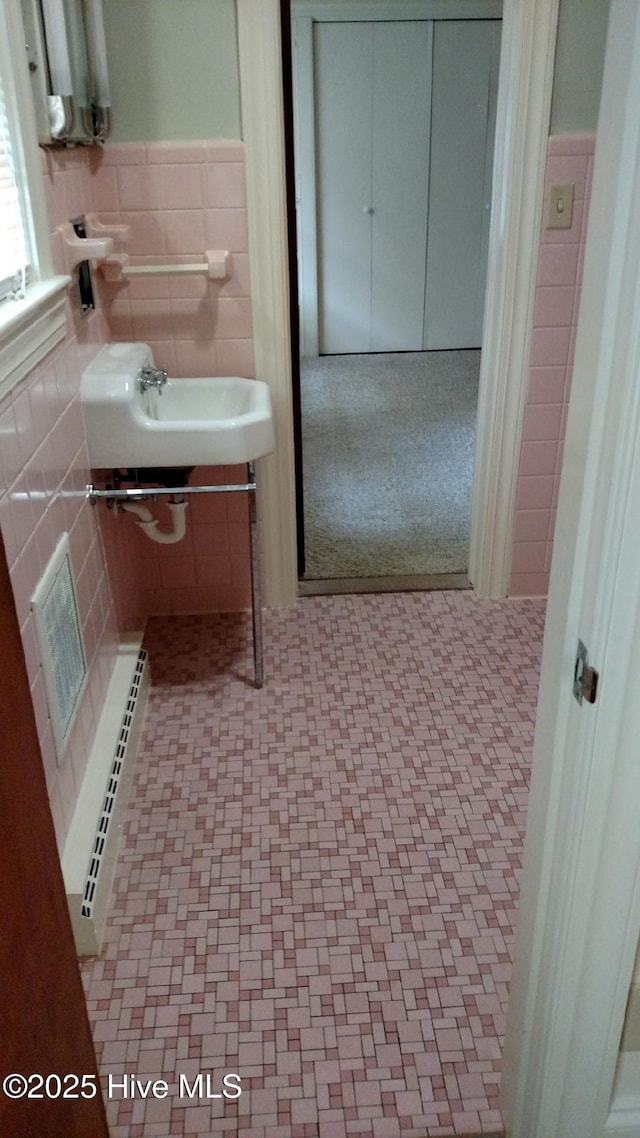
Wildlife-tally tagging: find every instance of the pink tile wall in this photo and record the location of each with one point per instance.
(179, 200)
(44, 471)
(570, 159)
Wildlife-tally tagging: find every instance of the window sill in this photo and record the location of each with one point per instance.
(30, 328)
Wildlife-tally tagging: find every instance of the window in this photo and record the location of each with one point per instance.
(32, 317)
(13, 241)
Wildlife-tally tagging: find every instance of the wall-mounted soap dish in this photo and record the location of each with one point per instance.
(78, 249)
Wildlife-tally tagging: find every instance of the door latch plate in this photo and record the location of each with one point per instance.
(585, 678)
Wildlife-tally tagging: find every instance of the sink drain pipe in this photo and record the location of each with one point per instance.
(133, 496)
(149, 525)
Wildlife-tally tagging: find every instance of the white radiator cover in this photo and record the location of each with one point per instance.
(91, 850)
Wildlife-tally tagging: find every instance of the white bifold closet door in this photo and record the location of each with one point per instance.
(381, 127)
(464, 91)
(372, 146)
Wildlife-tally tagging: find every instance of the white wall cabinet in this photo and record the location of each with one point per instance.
(395, 123)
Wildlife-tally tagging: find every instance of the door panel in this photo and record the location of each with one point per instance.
(465, 56)
(401, 93)
(343, 99)
(45, 1027)
(404, 124)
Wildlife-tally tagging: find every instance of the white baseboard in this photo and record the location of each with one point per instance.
(91, 849)
(623, 1123)
(624, 1116)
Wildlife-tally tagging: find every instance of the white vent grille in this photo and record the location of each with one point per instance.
(59, 635)
(106, 814)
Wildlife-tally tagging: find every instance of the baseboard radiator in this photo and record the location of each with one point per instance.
(91, 850)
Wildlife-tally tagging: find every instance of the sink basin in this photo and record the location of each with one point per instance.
(191, 422)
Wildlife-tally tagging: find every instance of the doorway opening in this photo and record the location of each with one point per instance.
(391, 165)
(387, 452)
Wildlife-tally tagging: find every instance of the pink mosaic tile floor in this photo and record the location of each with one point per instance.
(318, 881)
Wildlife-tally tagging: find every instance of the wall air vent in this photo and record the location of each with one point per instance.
(59, 635)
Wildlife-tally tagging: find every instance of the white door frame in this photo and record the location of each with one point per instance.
(580, 897)
(522, 127)
(524, 98)
(261, 92)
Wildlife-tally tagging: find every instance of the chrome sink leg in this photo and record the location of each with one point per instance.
(256, 599)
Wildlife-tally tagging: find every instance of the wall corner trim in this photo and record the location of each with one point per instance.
(524, 102)
(261, 88)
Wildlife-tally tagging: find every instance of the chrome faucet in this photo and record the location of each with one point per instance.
(149, 376)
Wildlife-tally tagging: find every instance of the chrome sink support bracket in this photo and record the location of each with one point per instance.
(139, 493)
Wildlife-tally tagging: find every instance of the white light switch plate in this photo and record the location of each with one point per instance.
(560, 212)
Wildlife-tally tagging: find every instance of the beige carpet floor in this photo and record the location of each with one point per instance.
(387, 457)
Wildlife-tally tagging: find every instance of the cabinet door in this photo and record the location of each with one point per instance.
(400, 165)
(343, 57)
(463, 102)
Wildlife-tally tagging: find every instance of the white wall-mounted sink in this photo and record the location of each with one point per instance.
(188, 422)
